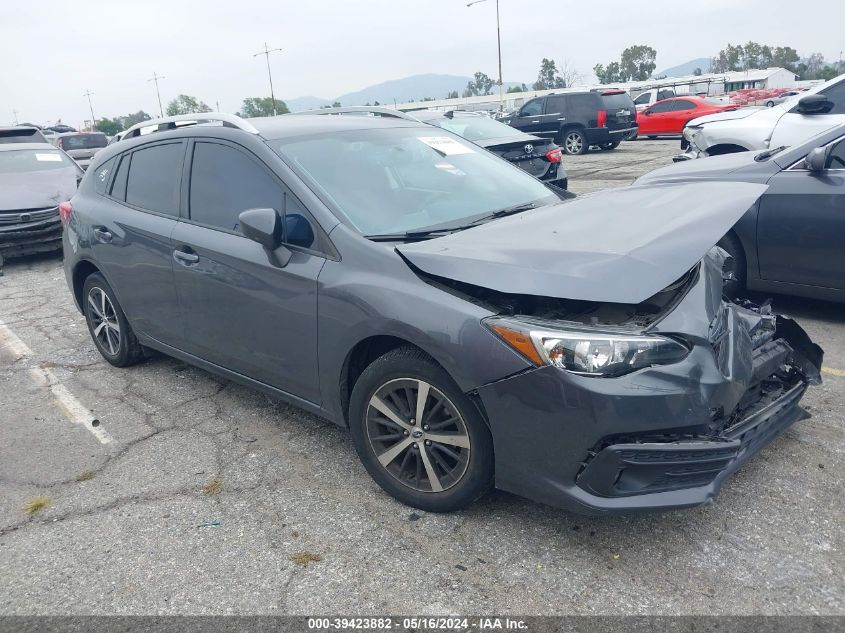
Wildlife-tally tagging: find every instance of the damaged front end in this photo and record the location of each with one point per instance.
(661, 434)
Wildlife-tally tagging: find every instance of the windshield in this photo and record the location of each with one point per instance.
(84, 141)
(477, 128)
(397, 180)
(19, 161)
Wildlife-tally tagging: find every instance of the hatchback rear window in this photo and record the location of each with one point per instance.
(83, 141)
(22, 135)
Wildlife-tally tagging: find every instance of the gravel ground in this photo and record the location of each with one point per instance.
(211, 499)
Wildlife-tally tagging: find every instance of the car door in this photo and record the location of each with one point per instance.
(682, 111)
(528, 118)
(554, 116)
(793, 127)
(801, 224)
(131, 231)
(655, 119)
(241, 308)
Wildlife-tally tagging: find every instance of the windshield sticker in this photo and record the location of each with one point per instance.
(448, 167)
(445, 145)
(49, 158)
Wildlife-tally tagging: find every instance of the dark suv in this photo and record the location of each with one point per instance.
(469, 327)
(577, 120)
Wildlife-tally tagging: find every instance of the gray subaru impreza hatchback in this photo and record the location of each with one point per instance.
(470, 327)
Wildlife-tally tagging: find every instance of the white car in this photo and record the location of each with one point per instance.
(785, 124)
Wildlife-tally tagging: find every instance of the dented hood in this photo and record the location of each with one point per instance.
(620, 246)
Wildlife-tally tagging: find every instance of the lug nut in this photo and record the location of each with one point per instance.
(428, 442)
(407, 434)
(412, 422)
(425, 427)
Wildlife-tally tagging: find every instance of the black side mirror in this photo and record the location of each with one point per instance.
(647, 112)
(814, 104)
(816, 160)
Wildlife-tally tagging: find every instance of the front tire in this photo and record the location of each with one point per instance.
(574, 142)
(418, 435)
(107, 324)
(609, 146)
(770, 104)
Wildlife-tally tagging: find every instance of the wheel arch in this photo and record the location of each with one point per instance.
(83, 269)
(725, 148)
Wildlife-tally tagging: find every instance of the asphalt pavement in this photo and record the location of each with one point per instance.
(162, 489)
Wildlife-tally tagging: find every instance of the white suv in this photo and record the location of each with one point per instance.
(788, 123)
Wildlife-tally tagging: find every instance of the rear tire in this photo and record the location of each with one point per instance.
(402, 453)
(734, 271)
(107, 324)
(652, 136)
(574, 142)
(770, 104)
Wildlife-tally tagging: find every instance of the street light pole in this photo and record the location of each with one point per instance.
(266, 52)
(156, 79)
(88, 94)
(499, 44)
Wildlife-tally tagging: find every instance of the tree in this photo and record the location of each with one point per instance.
(481, 85)
(336, 104)
(568, 74)
(186, 104)
(637, 62)
(753, 55)
(610, 75)
(548, 76)
(262, 106)
(453, 95)
(827, 73)
(697, 72)
(132, 119)
(109, 127)
(522, 88)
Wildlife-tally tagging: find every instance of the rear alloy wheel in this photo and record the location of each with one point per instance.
(609, 146)
(770, 104)
(574, 142)
(418, 436)
(107, 324)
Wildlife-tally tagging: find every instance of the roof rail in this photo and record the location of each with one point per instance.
(172, 122)
(374, 110)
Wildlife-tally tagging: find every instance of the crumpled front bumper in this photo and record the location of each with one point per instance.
(660, 438)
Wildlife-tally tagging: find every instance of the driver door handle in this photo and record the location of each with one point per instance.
(186, 258)
(103, 235)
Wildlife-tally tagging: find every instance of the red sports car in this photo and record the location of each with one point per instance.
(670, 115)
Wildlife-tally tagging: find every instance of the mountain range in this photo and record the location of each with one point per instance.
(415, 87)
(687, 68)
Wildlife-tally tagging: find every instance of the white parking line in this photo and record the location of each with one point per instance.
(45, 377)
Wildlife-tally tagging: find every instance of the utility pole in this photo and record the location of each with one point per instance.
(499, 44)
(156, 79)
(15, 113)
(266, 52)
(88, 94)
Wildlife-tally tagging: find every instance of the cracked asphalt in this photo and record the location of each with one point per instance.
(210, 497)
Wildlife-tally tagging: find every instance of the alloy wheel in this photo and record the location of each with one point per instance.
(573, 143)
(417, 435)
(104, 322)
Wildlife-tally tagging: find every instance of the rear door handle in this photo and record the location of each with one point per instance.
(103, 235)
(185, 258)
(534, 121)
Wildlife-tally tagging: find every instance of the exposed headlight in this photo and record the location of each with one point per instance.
(587, 352)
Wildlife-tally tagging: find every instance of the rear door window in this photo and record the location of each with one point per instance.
(225, 181)
(662, 106)
(154, 178)
(683, 104)
(555, 105)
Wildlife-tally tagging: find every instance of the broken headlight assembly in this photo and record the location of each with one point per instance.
(582, 351)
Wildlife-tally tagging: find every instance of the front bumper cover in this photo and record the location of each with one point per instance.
(660, 438)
